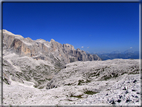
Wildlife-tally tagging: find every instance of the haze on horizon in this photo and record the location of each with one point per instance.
(92, 27)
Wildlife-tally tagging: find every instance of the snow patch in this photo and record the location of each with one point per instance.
(10, 55)
(40, 40)
(47, 45)
(26, 43)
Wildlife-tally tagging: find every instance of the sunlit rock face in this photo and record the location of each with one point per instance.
(41, 49)
(41, 58)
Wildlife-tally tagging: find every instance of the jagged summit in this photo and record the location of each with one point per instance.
(68, 46)
(44, 50)
(52, 40)
(10, 33)
(40, 40)
(78, 49)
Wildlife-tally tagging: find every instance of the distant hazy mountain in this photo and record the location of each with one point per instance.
(128, 54)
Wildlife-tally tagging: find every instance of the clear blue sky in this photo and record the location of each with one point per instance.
(92, 27)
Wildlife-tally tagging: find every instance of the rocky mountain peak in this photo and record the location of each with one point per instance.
(7, 32)
(41, 49)
(78, 49)
(28, 39)
(68, 46)
(41, 40)
(52, 40)
(10, 33)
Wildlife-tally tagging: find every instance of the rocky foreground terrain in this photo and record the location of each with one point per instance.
(111, 82)
(32, 77)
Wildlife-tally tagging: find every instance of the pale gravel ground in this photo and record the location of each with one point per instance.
(89, 71)
(122, 90)
(19, 94)
(117, 90)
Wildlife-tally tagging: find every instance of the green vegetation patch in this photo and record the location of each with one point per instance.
(36, 86)
(69, 84)
(133, 72)
(112, 75)
(41, 87)
(77, 96)
(82, 81)
(90, 92)
(6, 80)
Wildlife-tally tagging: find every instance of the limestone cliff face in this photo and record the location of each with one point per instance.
(41, 49)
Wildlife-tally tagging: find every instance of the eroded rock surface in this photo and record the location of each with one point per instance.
(26, 68)
(41, 49)
(36, 60)
(112, 82)
(79, 73)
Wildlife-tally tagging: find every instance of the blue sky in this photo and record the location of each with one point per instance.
(92, 27)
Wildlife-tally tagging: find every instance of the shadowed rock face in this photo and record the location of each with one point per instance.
(44, 50)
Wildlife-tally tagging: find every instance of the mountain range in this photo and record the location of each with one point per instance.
(24, 58)
(40, 49)
(128, 54)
